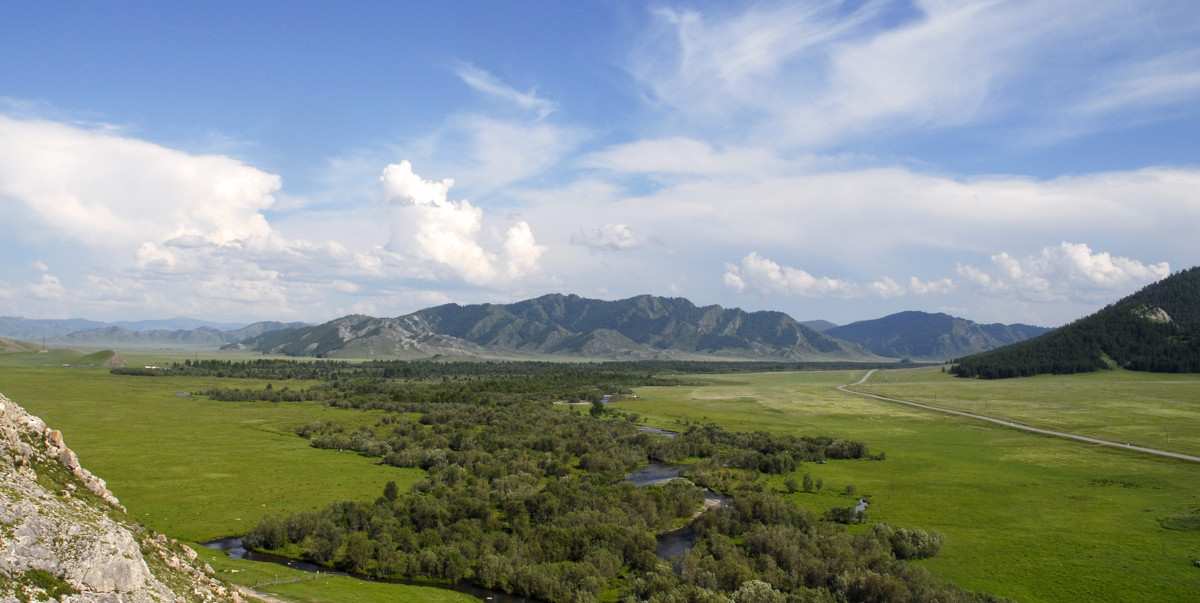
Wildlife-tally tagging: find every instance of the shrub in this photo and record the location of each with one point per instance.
(916, 544)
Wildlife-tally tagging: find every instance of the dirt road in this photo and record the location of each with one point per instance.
(1126, 446)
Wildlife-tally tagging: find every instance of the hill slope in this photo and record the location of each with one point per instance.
(925, 336)
(1155, 329)
(9, 346)
(66, 538)
(643, 327)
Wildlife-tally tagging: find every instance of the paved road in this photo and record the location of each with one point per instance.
(1013, 425)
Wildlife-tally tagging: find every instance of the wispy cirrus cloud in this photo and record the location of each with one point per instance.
(819, 74)
(491, 85)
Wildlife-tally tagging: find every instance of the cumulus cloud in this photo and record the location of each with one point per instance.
(109, 191)
(759, 273)
(1068, 271)
(765, 276)
(428, 226)
(607, 236)
(921, 288)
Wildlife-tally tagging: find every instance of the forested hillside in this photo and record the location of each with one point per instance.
(1156, 329)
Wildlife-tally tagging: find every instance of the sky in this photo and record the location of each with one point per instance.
(1015, 161)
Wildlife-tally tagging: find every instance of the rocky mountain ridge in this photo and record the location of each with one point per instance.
(643, 327)
(65, 536)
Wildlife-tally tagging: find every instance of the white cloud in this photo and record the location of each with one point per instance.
(426, 225)
(766, 276)
(112, 192)
(1066, 272)
(162, 228)
(1160, 80)
(488, 153)
(607, 236)
(887, 287)
(815, 73)
(489, 84)
(521, 252)
(49, 287)
(684, 156)
(939, 287)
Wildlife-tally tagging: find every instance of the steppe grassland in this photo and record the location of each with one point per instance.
(197, 470)
(193, 469)
(1154, 410)
(1030, 517)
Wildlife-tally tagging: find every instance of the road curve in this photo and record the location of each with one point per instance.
(1175, 455)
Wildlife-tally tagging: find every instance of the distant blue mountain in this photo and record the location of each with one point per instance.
(178, 323)
(925, 336)
(179, 331)
(35, 329)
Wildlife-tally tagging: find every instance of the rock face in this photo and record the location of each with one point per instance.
(63, 535)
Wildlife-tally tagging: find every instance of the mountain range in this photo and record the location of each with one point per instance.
(203, 337)
(643, 327)
(173, 332)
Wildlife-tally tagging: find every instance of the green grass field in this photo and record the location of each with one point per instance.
(1029, 517)
(197, 470)
(1146, 409)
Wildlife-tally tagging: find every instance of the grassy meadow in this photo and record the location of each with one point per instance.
(1029, 517)
(1154, 410)
(197, 470)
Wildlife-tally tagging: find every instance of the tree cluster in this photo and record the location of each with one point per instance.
(529, 497)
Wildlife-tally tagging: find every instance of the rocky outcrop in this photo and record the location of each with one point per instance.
(63, 534)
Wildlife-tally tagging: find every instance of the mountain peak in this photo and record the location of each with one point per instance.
(644, 326)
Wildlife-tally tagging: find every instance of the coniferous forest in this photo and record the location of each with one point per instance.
(1156, 329)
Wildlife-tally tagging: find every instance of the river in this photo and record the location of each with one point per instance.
(234, 547)
(670, 544)
(676, 542)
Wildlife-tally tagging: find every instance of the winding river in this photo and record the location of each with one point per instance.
(670, 544)
(234, 547)
(676, 542)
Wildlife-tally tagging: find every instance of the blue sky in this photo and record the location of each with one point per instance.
(1004, 161)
